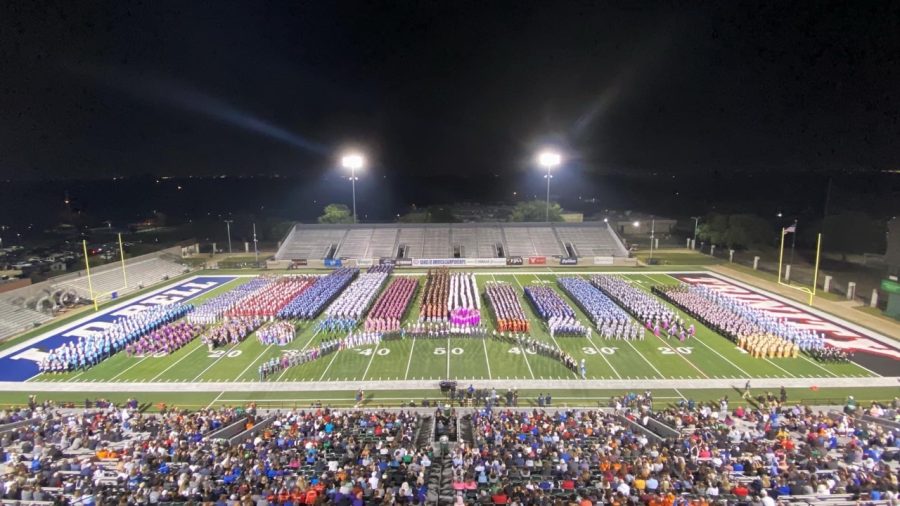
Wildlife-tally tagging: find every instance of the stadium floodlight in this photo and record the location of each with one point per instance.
(636, 224)
(354, 162)
(549, 159)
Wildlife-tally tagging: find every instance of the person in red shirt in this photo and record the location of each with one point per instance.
(500, 498)
(741, 491)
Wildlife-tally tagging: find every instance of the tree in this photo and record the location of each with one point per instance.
(747, 231)
(735, 231)
(433, 214)
(852, 232)
(336, 213)
(535, 210)
(713, 229)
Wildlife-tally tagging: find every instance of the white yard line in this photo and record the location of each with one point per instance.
(334, 356)
(216, 361)
(216, 399)
(120, 373)
(448, 358)
(628, 342)
(409, 361)
(603, 356)
(186, 355)
(677, 392)
(486, 360)
(525, 354)
(374, 352)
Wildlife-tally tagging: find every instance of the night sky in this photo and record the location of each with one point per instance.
(103, 89)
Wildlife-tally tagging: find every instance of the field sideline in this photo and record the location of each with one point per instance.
(709, 356)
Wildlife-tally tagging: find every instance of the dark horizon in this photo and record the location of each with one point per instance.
(172, 88)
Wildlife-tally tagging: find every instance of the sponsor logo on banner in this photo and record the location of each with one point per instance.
(333, 262)
(537, 260)
(475, 262)
(364, 262)
(404, 262)
(387, 261)
(298, 262)
(438, 262)
(835, 334)
(568, 261)
(514, 261)
(603, 260)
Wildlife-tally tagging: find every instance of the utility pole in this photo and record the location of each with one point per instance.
(652, 233)
(255, 248)
(793, 243)
(696, 227)
(228, 226)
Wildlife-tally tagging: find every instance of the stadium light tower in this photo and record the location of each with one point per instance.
(549, 159)
(354, 162)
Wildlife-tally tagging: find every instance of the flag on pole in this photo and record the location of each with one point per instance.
(791, 229)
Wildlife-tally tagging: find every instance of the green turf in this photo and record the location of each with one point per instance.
(707, 356)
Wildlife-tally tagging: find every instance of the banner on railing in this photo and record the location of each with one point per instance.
(403, 262)
(332, 262)
(603, 260)
(364, 262)
(568, 261)
(476, 262)
(537, 260)
(438, 262)
(514, 261)
(299, 262)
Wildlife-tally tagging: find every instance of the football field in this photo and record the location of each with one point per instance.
(706, 356)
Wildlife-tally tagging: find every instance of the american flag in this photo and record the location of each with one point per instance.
(791, 229)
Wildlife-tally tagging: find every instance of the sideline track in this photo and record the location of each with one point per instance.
(293, 386)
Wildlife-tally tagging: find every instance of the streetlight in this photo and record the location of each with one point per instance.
(696, 227)
(228, 228)
(652, 239)
(353, 161)
(549, 159)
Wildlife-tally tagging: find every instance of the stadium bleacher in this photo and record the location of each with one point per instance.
(518, 242)
(469, 240)
(413, 241)
(15, 319)
(587, 242)
(141, 273)
(310, 242)
(628, 453)
(355, 243)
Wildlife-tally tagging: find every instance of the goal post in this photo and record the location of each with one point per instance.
(810, 291)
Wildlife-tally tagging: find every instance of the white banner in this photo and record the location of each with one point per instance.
(485, 261)
(451, 262)
(603, 260)
(437, 262)
(364, 262)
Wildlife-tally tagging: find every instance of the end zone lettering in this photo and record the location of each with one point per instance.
(19, 362)
(835, 334)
